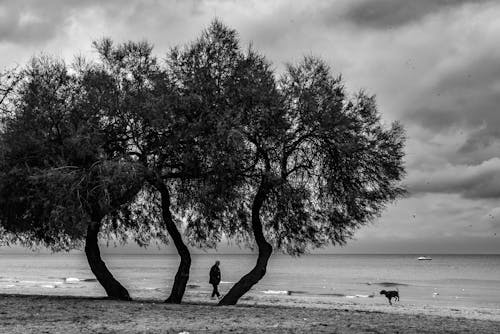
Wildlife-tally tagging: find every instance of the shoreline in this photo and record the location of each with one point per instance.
(70, 314)
(376, 305)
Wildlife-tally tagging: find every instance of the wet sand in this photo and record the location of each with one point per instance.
(60, 314)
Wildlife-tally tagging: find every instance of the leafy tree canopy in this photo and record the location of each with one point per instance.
(59, 166)
(322, 157)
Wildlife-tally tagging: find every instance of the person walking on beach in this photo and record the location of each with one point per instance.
(215, 278)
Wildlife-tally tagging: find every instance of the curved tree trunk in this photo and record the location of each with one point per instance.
(265, 251)
(113, 288)
(182, 275)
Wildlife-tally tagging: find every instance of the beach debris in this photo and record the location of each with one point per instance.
(434, 294)
(390, 284)
(71, 280)
(359, 296)
(184, 332)
(276, 292)
(319, 324)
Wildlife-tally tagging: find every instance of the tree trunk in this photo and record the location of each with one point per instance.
(182, 275)
(265, 251)
(112, 287)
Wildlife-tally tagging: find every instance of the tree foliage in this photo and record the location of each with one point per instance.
(59, 164)
(327, 160)
(336, 166)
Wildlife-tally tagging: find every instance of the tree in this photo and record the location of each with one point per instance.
(327, 165)
(181, 132)
(61, 175)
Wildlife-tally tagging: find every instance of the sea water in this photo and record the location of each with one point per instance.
(457, 280)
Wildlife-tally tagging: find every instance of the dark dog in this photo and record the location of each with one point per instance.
(391, 294)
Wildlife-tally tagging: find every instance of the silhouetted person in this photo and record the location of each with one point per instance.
(215, 278)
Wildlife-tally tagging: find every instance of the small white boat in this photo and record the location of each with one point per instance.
(424, 258)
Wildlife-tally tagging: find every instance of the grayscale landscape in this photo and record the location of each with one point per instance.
(249, 166)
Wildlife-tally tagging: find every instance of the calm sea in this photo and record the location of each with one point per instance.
(459, 280)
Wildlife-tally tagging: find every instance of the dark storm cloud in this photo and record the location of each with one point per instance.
(466, 100)
(472, 182)
(381, 14)
(481, 139)
(465, 108)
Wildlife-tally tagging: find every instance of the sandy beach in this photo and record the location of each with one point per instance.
(60, 314)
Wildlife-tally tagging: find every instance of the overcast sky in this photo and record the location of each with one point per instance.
(433, 64)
